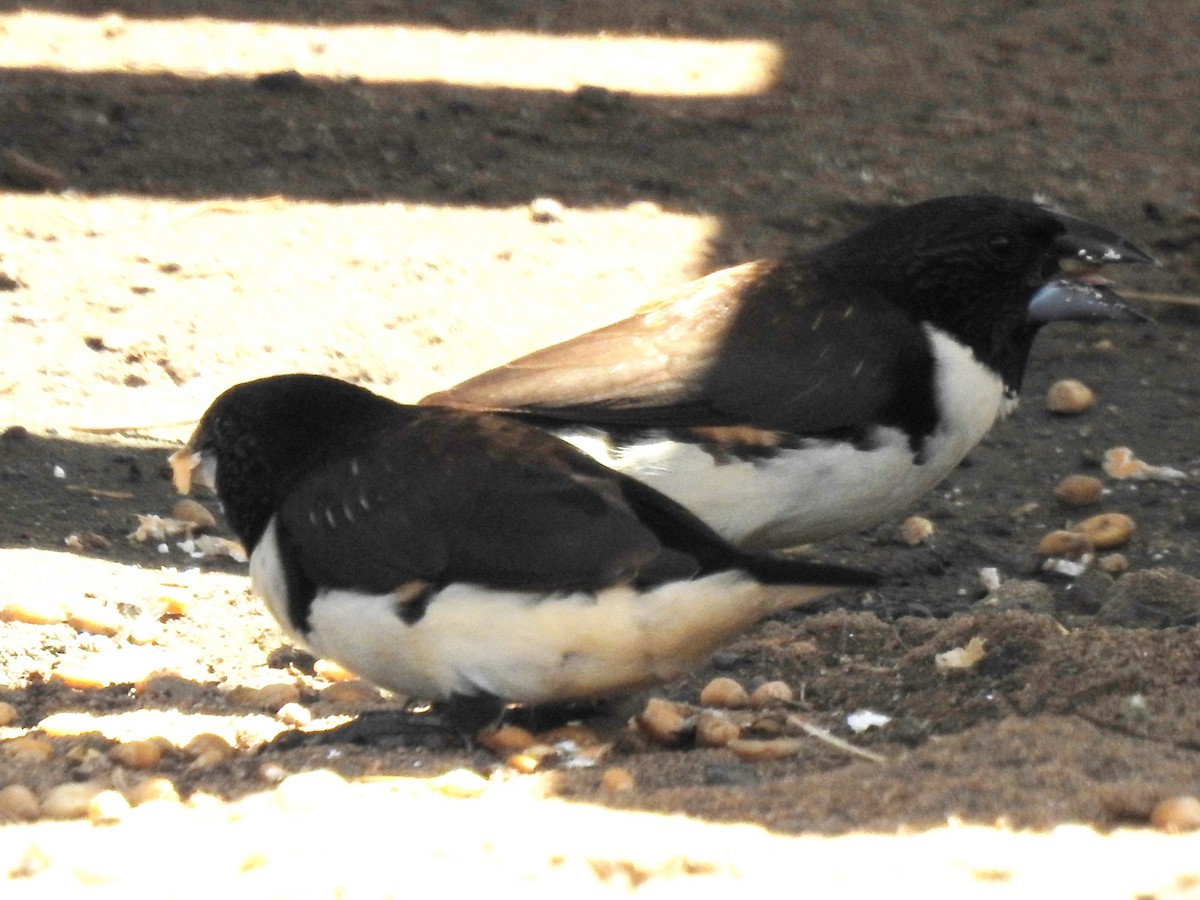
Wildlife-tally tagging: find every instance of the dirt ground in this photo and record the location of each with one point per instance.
(403, 194)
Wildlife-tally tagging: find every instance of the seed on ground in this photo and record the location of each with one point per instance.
(107, 808)
(1177, 814)
(916, 530)
(715, 729)
(71, 800)
(1107, 530)
(1069, 397)
(724, 693)
(616, 779)
(663, 721)
(771, 692)
(766, 750)
(19, 802)
(1079, 490)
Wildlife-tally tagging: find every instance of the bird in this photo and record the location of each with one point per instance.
(785, 401)
(468, 559)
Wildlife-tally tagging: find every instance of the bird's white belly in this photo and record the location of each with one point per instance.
(823, 488)
(522, 646)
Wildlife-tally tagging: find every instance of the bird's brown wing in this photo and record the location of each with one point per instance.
(762, 344)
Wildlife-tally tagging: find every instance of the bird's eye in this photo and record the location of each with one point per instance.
(1001, 243)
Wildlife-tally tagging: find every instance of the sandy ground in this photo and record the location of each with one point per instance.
(404, 194)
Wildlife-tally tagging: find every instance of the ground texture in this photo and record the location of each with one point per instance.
(403, 194)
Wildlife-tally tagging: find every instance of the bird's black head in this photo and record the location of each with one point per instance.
(987, 270)
(258, 438)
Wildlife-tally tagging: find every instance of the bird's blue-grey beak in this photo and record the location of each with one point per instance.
(1090, 244)
(1081, 292)
(1067, 300)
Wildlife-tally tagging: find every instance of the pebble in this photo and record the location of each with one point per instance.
(306, 791)
(188, 510)
(71, 800)
(350, 693)
(1079, 490)
(270, 696)
(208, 745)
(506, 739)
(1065, 544)
(331, 671)
(107, 808)
(94, 618)
(1152, 598)
(33, 611)
(157, 788)
(294, 714)
(770, 693)
(765, 751)
(8, 714)
(1107, 530)
(724, 693)
(1176, 814)
(139, 755)
(916, 530)
(1069, 397)
(715, 729)
(29, 748)
(20, 803)
(663, 721)
(616, 779)
(545, 210)
(1113, 563)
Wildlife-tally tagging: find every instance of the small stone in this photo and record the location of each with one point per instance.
(20, 803)
(32, 748)
(916, 530)
(33, 611)
(294, 714)
(269, 697)
(1069, 397)
(1113, 563)
(715, 729)
(1177, 814)
(1107, 530)
(350, 693)
(1153, 598)
(771, 693)
(188, 510)
(94, 618)
(616, 780)
(765, 751)
(8, 714)
(663, 721)
(506, 739)
(1079, 490)
(545, 210)
(137, 754)
(208, 745)
(107, 808)
(70, 801)
(161, 789)
(724, 693)
(1065, 545)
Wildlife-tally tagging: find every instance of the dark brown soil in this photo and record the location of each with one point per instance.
(168, 232)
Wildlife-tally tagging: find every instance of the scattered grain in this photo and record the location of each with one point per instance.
(71, 800)
(19, 803)
(916, 530)
(33, 611)
(139, 755)
(1079, 490)
(765, 750)
(771, 693)
(158, 788)
(663, 721)
(1065, 544)
(1177, 814)
(107, 808)
(8, 714)
(715, 729)
(31, 748)
(1069, 397)
(188, 510)
(724, 693)
(506, 739)
(616, 780)
(1107, 530)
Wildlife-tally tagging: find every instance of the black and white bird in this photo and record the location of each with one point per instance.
(445, 554)
(786, 401)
